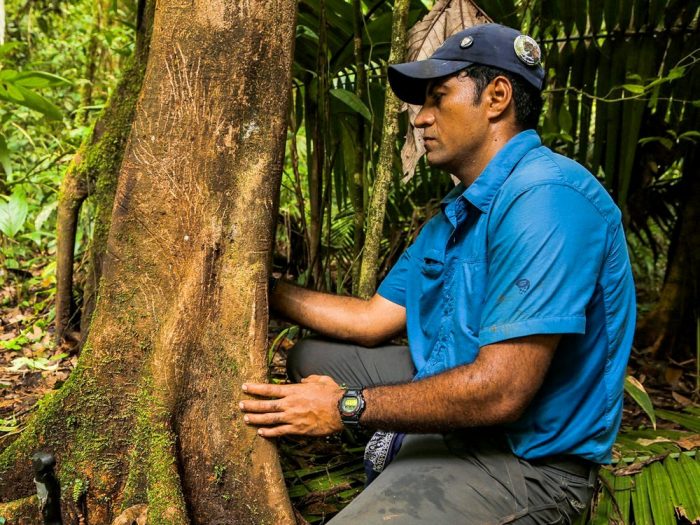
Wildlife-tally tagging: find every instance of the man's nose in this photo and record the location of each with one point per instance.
(424, 118)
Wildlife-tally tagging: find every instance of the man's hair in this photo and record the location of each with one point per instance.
(527, 98)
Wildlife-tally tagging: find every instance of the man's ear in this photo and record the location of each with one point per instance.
(499, 94)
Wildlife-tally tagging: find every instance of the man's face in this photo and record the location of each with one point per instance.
(454, 126)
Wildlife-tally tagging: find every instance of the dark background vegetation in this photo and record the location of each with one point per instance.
(621, 98)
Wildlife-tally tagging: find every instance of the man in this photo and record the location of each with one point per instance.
(519, 306)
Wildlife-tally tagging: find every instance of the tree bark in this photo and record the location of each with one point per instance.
(380, 190)
(150, 414)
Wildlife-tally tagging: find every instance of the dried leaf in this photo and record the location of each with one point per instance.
(681, 400)
(647, 442)
(682, 516)
(689, 443)
(135, 515)
(636, 468)
(445, 19)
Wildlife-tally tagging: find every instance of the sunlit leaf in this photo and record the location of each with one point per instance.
(25, 97)
(44, 214)
(686, 420)
(637, 89)
(13, 213)
(637, 392)
(39, 79)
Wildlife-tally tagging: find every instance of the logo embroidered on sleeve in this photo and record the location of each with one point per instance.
(523, 285)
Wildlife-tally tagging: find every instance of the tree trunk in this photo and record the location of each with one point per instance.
(357, 185)
(380, 190)
(150, 414)
(93, 173)
(670, 328)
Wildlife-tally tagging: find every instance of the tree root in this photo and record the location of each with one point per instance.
(74, 190)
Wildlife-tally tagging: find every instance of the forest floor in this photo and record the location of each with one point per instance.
(322, 475)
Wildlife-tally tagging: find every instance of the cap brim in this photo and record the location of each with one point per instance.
(410, 80)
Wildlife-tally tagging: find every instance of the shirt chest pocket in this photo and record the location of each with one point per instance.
(433, 264)
(430, 284)
(472, 295)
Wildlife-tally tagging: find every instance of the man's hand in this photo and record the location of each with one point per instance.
(308, 408)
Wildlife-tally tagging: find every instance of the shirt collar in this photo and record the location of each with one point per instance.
(482, 191)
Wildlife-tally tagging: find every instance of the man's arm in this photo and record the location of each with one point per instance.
(495, 389)
(363, 322)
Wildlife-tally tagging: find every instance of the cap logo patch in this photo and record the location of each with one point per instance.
(466, 42)
(527, 50)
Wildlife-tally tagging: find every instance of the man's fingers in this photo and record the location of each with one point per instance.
(274, 418)
(272, 432)
(255, 405)
(265, 389)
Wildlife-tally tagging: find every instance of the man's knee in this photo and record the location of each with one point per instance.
(301, 357)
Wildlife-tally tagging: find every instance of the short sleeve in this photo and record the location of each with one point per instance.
(545, 249)
(393, 287)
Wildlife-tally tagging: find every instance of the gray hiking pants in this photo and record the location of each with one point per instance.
(466, 477)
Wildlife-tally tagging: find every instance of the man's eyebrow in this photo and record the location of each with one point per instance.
(435, 84)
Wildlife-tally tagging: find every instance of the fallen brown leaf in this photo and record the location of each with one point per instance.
(681, 400)
(689, 443)
(636, 468)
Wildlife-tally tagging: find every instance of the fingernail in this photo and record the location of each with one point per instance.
(244, 387)
(260, 432)
(240, 405)
(246, 418)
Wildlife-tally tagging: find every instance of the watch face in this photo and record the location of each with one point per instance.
(349, 404)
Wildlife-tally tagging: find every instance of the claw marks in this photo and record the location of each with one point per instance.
(175, 149)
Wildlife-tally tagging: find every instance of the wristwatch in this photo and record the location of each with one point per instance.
(351, 406)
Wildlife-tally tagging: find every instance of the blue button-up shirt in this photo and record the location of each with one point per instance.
(533, 246)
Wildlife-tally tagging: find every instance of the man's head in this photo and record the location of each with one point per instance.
(480, 88)
(483, 52)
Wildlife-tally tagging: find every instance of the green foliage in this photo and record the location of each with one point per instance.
(13, 213)
(18, 88)
(637, 392)
(46, 67)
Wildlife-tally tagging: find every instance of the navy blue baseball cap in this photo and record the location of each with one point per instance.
(485, 44)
